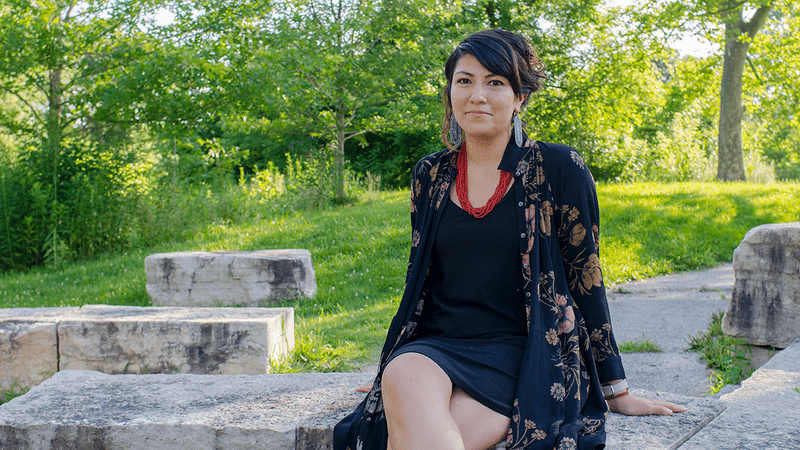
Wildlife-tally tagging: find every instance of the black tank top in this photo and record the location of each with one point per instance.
(475, 276)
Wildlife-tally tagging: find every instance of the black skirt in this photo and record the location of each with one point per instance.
(485, 368)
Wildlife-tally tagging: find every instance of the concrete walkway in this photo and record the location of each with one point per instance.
(668, 310)
(761, 414)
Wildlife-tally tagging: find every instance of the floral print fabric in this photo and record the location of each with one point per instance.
(571, 347)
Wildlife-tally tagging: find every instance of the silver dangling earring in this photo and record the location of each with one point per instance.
(455, 131)
(517, 130)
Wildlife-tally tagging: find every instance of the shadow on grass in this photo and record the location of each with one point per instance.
(648, 232)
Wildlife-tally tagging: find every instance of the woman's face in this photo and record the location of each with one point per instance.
(483, 102)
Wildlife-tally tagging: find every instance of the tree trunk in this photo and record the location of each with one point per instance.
(338, 157)
(730, 163)
(54, 110)
(53, 144)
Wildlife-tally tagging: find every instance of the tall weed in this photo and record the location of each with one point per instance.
(679, 154)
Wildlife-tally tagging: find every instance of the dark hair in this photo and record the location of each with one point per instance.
(500, 52)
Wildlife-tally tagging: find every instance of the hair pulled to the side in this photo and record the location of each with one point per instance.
(500, 52)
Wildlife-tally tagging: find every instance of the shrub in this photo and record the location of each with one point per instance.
(54, 208)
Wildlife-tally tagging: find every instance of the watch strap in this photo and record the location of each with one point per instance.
(614, 390)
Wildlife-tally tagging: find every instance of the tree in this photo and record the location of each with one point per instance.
(771, 87)
(756, 83)
(48, 54)
(602, 83)
(47, 60)
(40, 48)
(734, 25)
(739, 33)
(336, 69)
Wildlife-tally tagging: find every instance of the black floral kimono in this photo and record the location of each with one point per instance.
(570, 348)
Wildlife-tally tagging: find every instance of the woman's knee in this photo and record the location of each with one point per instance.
(411, 377)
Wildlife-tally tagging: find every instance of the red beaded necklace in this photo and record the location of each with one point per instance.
(462, 188)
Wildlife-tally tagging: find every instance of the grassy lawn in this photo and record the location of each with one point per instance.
(650, 229)
(360, 255)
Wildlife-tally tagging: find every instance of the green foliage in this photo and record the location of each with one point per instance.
(312, 182)
(774, 128)
(239, 84)
(14, 391)
(728, 357)
(392, 155)
(309, 355)
(80, 216)
(640, 346)
(360, 250)
(336, 70)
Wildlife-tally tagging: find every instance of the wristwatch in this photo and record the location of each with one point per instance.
(615, 390)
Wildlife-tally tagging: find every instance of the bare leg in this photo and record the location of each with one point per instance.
(480, 426)
(416, 396)
(424, 410)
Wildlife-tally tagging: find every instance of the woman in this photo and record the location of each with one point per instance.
(503, 331)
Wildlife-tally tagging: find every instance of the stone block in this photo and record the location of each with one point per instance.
(28, 345)
(83, 409)
(258, 278)
(761, 414)
(661, 432)
(764, 308)
(131, 339)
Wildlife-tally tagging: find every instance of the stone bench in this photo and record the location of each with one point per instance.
(35, 343)
(81, 409)
(259, 278)
(29, 345)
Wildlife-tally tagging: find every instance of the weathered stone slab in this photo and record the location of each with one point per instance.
(763, 413)
(82, 410)
(131, 339)
(765, 306)
(658, 432)
(258, 278)
(28, 345)
(661, 432)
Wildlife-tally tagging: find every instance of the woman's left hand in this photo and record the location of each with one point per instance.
(631, 405)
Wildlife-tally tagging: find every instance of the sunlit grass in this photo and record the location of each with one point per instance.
(113, 280)
(641, 346)
(360, 256)
(650, 229)
(723, 354)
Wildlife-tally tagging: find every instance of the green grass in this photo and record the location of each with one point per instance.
(650, 229)
(14, 391)
(728, 357)
(360, 255)
(642, 346)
